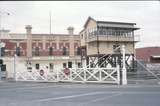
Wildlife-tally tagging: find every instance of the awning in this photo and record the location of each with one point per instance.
(155, 56)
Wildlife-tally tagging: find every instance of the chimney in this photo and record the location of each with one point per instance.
(70, 30)
(29, 40)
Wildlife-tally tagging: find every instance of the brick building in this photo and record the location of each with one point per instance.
(49, 50)
(148, 54)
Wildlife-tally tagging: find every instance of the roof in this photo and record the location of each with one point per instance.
(115, 22)
(52, 34)
(89, 18)
(81, 31)
(110, 22)
(156, 56)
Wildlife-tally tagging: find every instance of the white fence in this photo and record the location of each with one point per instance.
(83, 75)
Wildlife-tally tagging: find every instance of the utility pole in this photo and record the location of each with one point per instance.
(97, 44)
(50, 22)
(1, 44)
(1, 13)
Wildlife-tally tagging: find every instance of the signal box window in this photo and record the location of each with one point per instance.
(116, 48)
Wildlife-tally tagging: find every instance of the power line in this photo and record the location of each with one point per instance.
(50, 23)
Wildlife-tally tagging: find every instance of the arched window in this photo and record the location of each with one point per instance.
(18, 50)
(36, 51)
(78, 51)
(64, 51)
(50, 51)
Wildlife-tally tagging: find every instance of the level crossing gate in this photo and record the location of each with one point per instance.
(86, 74)
(82, 75)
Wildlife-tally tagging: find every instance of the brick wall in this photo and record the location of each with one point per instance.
(10, 48)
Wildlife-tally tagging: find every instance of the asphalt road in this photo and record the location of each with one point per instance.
(66, 94)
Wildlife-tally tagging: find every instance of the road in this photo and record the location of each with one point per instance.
(67, 94)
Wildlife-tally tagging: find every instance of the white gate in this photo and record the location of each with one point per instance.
(35, 76)
(84, 75)
(97, 75)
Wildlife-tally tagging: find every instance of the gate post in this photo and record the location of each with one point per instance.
(57, 75)
(118, 74)
(85, 75)
(100, 75)
(15, 73)
(124, 71)
(70, 73)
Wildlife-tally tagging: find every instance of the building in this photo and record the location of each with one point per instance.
(42, 50)
(148, 54)
(101, 40)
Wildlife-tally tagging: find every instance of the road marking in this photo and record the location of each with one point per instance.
(68, 97)
(114, 94)
(108, 97)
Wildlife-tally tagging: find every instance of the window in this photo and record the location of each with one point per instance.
(64, 65)
(51, 66)
(64, 51)
(69, 64)
(116, 48)
(37, 51)
(50, 51)
(78, 51)
(18, 51)
(2, 51)
(82, 36)
(37, 66)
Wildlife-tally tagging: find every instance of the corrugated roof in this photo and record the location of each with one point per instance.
(115, 22)
(111, 22)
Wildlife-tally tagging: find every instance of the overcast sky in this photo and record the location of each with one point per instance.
(74, 13)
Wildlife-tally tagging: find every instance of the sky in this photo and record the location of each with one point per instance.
(146, 14)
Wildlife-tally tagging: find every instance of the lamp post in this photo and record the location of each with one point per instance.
(124, 71)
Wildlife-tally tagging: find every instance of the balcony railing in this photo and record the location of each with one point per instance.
(113, 38)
